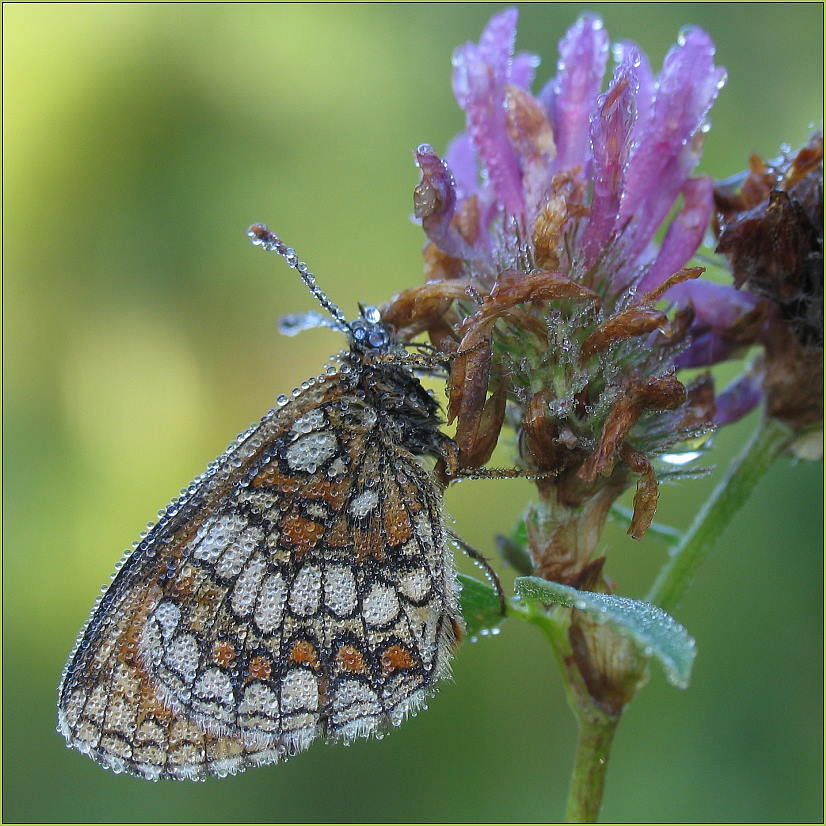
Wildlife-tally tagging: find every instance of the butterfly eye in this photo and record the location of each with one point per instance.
(371, 314)
(377, 338)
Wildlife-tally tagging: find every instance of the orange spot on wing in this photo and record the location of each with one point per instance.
(367, 543)
(331, 492)
(127, 646)
(412, 496)
(303, 533)
(396, 657)
(396, 521)
(304, 652)
(339, 534)
(350, 659)
(184, 587)
(260, 668)
(150, 706)
(271, 477)
(223, 653)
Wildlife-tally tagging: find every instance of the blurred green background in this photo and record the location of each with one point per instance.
(140, 142)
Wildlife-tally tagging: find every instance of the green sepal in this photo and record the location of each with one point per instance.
(656, 633)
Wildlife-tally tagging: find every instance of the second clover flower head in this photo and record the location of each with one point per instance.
(542, 269)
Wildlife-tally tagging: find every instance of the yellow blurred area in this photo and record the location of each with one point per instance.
(140, 142)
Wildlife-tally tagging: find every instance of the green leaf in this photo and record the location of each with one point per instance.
(480, 606)
(657, 634)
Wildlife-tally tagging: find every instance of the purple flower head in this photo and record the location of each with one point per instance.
(628, 152)
(543, 269)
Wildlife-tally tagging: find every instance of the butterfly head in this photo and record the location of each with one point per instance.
(368, 333)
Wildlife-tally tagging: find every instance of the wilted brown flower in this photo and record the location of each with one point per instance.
(770, 224)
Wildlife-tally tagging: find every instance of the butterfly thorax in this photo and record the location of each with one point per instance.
(407, 412)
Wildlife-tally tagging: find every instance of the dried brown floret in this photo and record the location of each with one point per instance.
(793, 378)
(635, 321)
(645, 499)
(513, 288)
(565, 200)
(685, 274)
(439, 265)
(477, 435)
(421, 308)
(772, 233)
(661, 393)
(542, 444)
(700, 406)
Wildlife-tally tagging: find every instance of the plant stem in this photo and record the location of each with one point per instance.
(767, 442)
(593, 745)
(595, 727)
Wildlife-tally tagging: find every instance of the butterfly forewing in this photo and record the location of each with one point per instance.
(300, 588)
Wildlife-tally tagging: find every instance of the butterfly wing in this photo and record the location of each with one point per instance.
(301, 587)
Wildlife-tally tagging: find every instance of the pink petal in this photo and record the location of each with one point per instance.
(707, 347)
(612, 127)
(684, 235)
(523, 69)
(462, 162)
(571, 96)
(715, 305)
(738, 399)
(480, 74)
(435, 202)
(669, 142)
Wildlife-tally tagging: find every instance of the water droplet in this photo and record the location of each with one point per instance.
(680, 458)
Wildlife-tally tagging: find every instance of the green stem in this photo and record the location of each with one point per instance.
(766, 444)
(593, 745)
(596, 727)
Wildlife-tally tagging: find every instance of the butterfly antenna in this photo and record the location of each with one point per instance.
(261, 236)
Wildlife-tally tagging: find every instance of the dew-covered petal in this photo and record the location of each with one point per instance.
(434, 201)
(480, 74)
(685, 233)
(717, 309)
(523, 69)
(628, 53)
(738, 399)
(533, 139)
(463, 163)
(716, 306)
(611, 133)
(570, 96)
(669, 141)
(707, 347)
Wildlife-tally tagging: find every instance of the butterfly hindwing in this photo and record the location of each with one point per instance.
(300, 588)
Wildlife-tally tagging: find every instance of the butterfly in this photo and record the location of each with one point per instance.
(301, 587)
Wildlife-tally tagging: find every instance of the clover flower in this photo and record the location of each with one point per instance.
(770, 226)
(544, 277)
